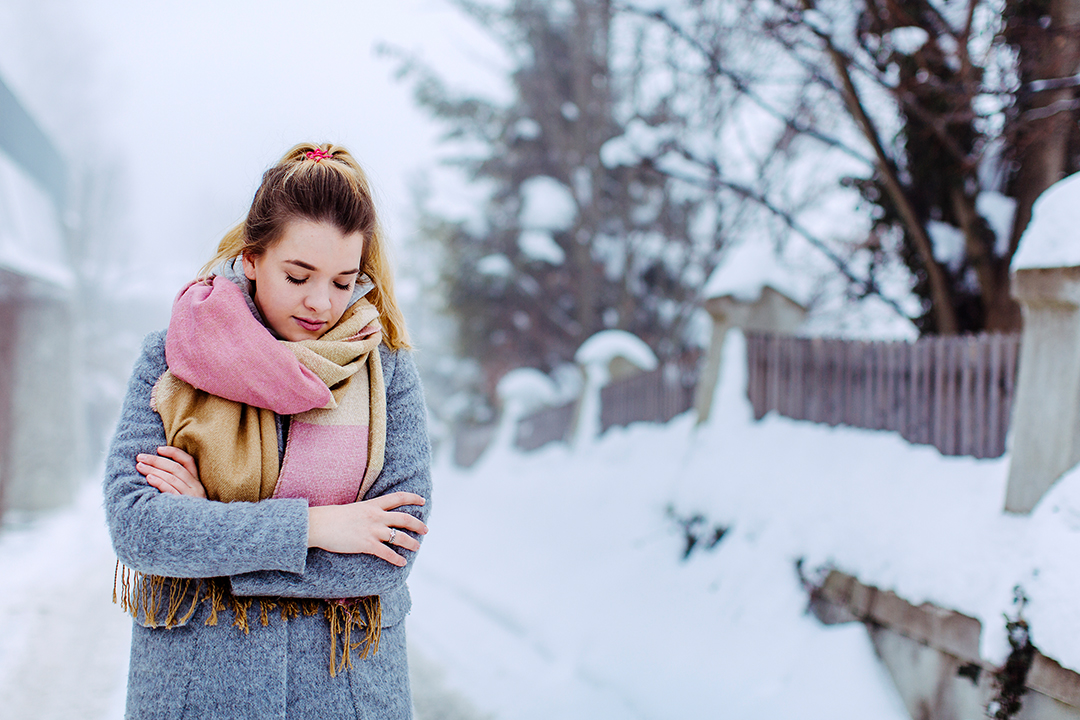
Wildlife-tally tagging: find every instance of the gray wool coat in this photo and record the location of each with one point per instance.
(280, 670)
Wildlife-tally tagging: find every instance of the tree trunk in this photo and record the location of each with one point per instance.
(1045, 124)
(943, 309)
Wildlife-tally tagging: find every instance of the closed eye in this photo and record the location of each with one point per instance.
(295, 281)
(345, 286)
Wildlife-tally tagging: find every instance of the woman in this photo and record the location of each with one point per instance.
(266, 486)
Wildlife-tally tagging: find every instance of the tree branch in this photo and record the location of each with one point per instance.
(717, 68)
(866, 286)
(941, 297)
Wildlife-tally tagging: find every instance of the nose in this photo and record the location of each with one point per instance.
(318, 300)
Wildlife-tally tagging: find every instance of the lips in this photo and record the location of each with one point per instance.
(309, 325)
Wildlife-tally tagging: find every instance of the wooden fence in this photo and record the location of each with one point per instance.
(954, 393)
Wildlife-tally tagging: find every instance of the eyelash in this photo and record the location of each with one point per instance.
(301, 281)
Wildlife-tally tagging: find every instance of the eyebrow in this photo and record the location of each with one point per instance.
(308, 266)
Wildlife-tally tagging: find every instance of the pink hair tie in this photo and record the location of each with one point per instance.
(319, 154)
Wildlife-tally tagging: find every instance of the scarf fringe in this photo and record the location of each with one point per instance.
(162, 602)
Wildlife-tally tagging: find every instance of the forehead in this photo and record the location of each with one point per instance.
(319, 244)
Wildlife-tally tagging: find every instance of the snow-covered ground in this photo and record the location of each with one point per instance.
(553, 584)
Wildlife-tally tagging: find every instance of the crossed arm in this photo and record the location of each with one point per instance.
(368, 526)
(274, 547)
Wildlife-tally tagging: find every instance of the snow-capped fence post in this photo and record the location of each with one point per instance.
(1045, 426)
(750, 291)
(520, 392)
(599, 358)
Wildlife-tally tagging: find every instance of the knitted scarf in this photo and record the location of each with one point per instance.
(229, 378)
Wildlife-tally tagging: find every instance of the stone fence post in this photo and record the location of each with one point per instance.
(1045, 425)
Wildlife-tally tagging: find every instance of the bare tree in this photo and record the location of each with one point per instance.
(933, 104)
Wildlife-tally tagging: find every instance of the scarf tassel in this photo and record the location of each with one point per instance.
(146, 596)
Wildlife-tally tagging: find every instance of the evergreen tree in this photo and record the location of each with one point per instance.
(570, 245)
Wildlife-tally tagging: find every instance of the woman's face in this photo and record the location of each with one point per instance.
(303, 282)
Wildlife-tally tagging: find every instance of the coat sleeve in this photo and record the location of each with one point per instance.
(407, 468)
(179, 536)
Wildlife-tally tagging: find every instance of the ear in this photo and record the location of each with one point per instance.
(249, 267)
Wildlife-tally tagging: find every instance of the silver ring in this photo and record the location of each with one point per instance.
(393, 534)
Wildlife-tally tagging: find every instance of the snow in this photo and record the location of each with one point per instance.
(547, 204)
(606, 345)
(1050, 239)
(907, 40)
(998, 210)
(553, 584)
(520, 391)
(750, 267)
(948, 243)
(540, 245)
(525, 388)
(640, 140)
(527, 129)
(595, 356)
(580, 578)
(496, 264)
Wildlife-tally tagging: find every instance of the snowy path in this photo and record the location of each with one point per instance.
(64, 644)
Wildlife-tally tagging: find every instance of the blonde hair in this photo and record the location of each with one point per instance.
(322, 183)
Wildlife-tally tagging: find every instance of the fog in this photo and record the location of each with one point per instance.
(168, 114)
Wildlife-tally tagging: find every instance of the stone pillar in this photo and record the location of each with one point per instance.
(772, 311)
(1045, 425)
(724, 317)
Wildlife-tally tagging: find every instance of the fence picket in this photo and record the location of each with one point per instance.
(982, 390)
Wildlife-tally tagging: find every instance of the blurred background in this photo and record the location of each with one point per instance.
(583, 198)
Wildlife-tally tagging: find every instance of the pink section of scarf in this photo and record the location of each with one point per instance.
(215, 344)
(323, 463)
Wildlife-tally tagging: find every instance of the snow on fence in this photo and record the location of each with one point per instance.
(654, 396)
(954, 392)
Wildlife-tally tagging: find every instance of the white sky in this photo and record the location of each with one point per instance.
(191, 101)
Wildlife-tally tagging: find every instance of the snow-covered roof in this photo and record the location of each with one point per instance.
(31, 237)
(750, 267)
(1052, 238)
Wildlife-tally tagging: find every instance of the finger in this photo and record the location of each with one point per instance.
(397, 499)
(405, 540)
(178, 455)
(161, 485)
(162, 463)
(406, 522)
(147, 469)
(383, 551)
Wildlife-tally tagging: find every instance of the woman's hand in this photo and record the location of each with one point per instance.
(171, 471)
(369, 527)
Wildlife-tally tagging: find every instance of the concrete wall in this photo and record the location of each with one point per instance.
(932, 655)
